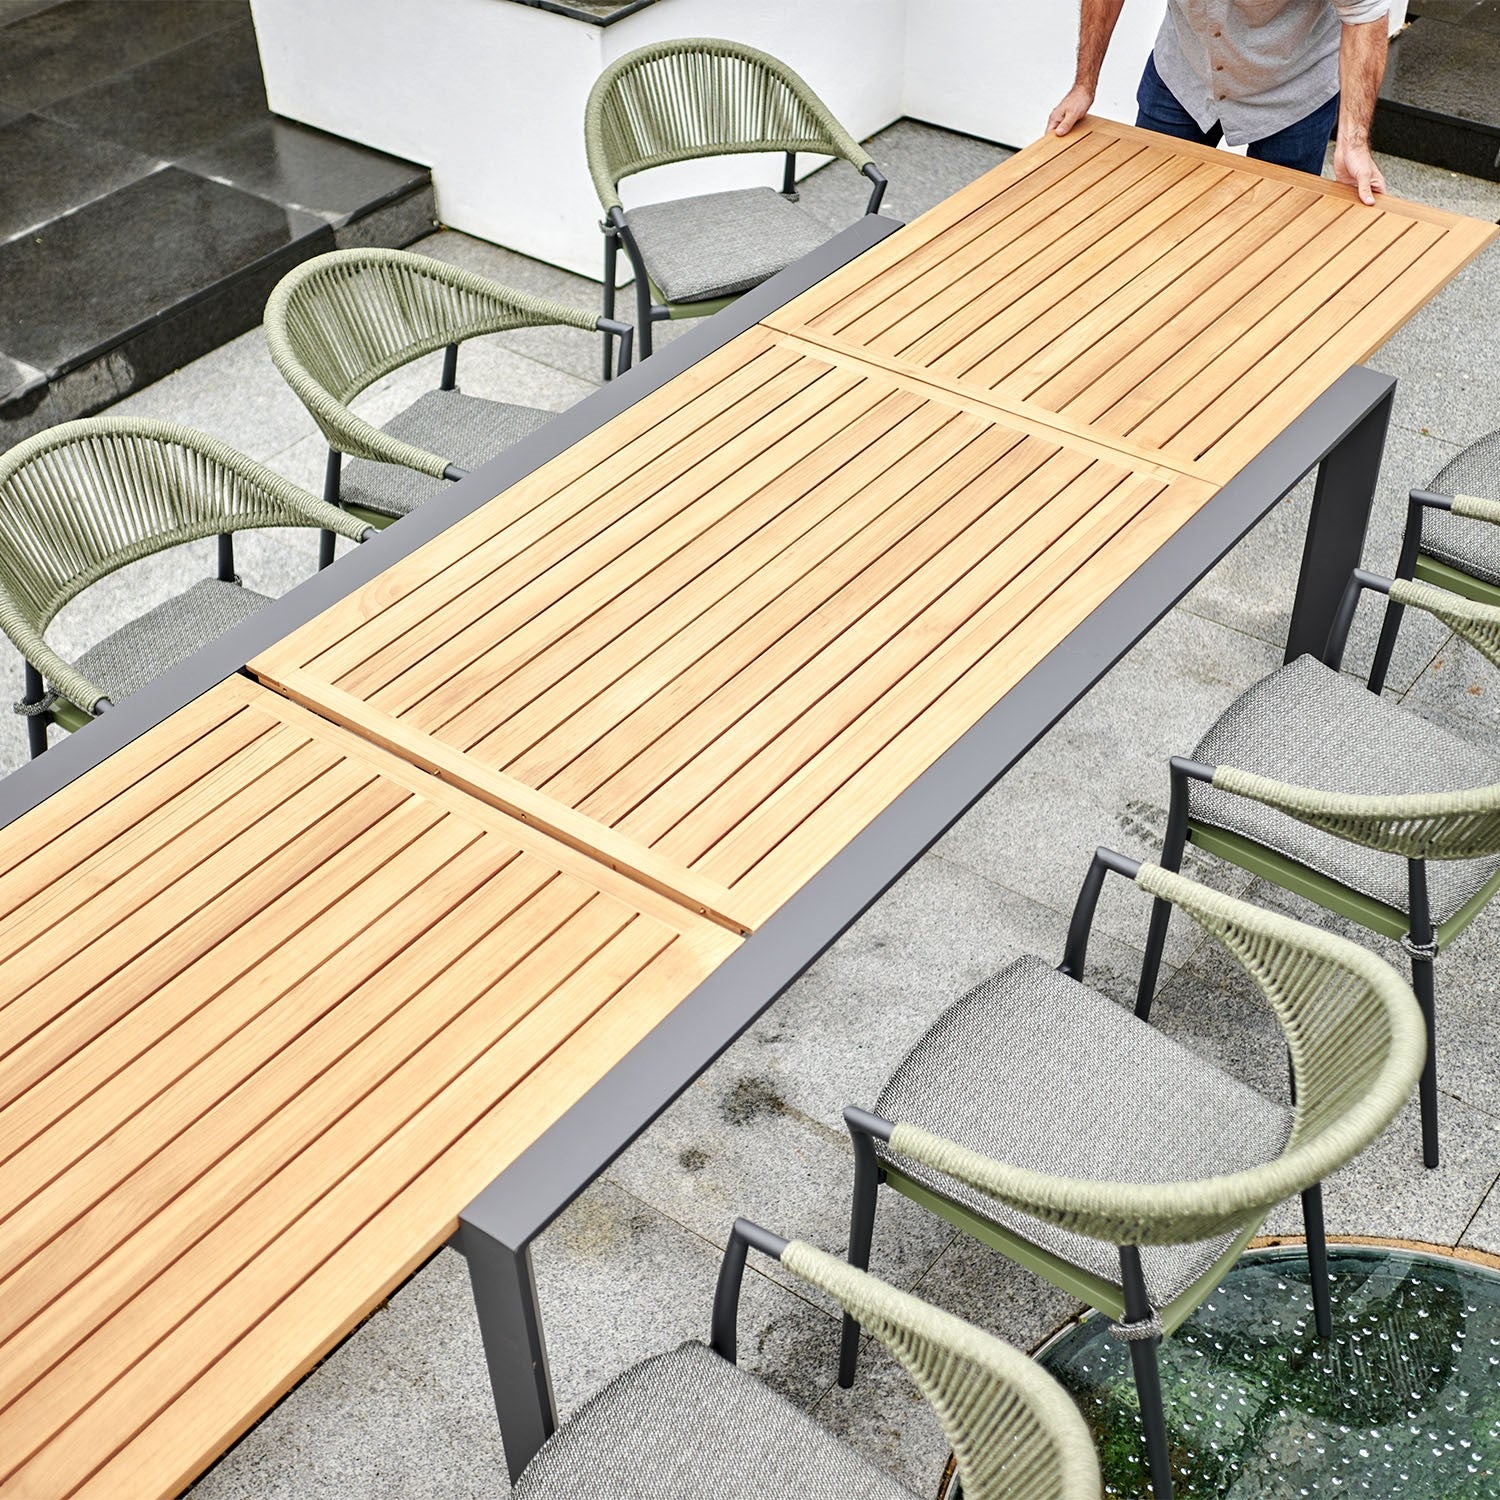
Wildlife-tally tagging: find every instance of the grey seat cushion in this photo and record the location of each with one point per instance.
(722, 243)
(466, 430)
(689, 1423)
(1036, 1069)
(126, 660)
(1473, 546)
(1311, 726)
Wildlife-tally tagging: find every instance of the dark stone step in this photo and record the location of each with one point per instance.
(150, 206)
(1441, 100)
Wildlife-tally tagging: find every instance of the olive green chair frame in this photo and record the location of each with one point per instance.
(1417, 828)
(339, 322)
(1413, 563)
(86, 498)
(683, 100)
(1355, 1041)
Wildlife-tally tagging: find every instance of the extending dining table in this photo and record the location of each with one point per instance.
(400, 910)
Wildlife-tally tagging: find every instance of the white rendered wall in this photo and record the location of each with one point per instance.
(490, 94)
(996, 69)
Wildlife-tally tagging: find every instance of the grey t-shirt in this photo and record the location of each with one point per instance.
(1255, 66)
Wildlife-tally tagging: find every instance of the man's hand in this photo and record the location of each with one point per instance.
(1362, 53)
(1353, 163)
(1074, 106)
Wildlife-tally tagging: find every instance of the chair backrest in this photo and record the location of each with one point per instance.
(85, 498)
(702, 96)
(1474, 471)
(1015, 1432)
(338, 322)
(1461, 824)
(1357, 1042)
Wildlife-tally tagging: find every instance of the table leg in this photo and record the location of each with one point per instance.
(1342, 498)
(510, 1324)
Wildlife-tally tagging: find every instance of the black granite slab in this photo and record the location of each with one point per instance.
(17, 380)
(179, 102)
(86, 282)
(50, 168)
(1440, 102)
(1449, 67)
(595, 12)
(299, 167)
(49, 54)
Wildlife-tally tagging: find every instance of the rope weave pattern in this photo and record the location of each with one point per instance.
(1475, 508)
(84, 499)
(338, 322)
(1357, 1042)
(1014, 1431)
(701, 96)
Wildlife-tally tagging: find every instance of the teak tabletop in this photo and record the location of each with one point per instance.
(287, 980)
(277, 1007)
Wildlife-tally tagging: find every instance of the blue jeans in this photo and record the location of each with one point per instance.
(1301, 146)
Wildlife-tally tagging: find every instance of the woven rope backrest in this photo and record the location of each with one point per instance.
(340, 321)
(1013, 1429)
(1357, 1043)
(1477, 508)
(88, 497)
(701, 96)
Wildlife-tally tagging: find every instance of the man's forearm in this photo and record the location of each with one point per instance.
(1096, 24)
(1362, 54)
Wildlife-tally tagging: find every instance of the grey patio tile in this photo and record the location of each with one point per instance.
(302, 462)
(1439, 187)
(924, 165)
(619, 1281)
(1100, 776)
(1483, 1232)
(885, 1418)
(235, 394)
(733, 1144)
(1458, 689)
(1387, 1191)
(1445, 357)
(402, 1407)
(489, 368)
(1252, 589)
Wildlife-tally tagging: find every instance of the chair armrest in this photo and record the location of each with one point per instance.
(1104, 862)
(724, 1337)
(62, 675)
(878, 178)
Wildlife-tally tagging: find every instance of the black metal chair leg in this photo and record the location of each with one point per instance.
(1421, 947)
(642, 317)
(1174, 841)
(611, 259)
(1423, 981)
(1317, 1259)
(861, 1233)
(36, 724)
(1153, 1418)
(325, 549)
(1406, 567)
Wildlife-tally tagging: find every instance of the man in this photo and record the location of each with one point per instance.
(1273, 73)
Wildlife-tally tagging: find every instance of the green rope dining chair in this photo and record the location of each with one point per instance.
(691, 1422)
(84, 499)
(683, 100)
(1452, 538)
(337, 323)
(1055, 1126)
(1341, 796)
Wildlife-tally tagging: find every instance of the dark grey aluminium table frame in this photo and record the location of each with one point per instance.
(1342, 434)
